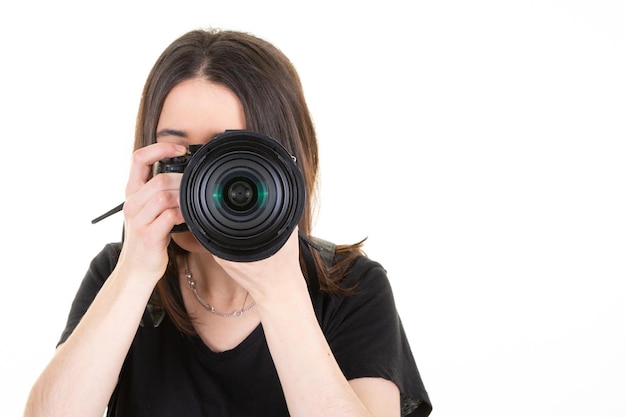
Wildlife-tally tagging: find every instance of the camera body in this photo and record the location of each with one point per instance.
(241, 194)
(176, 164)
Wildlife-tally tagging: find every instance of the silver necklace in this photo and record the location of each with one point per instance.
(233, 314)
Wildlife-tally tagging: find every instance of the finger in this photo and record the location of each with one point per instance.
(144, 158)
(159, 193)
(166, 220)
(142, 214)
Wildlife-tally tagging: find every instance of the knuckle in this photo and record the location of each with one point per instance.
(165, 199)
(160, 180)
(138, 157)
(169, 216)
(129, 207)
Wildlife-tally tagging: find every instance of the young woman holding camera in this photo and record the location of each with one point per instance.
(162, 327)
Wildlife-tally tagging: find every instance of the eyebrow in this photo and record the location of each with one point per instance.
(171, 132)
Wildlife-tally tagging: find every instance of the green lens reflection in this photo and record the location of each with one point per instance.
(240, 194)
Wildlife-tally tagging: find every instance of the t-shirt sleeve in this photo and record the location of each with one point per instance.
(366, 335)
(99, 270)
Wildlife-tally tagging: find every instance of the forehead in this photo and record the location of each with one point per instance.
(201, 109)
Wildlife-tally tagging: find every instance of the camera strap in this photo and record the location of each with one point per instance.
(324, 248)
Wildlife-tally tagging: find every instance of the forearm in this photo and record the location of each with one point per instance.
(84, 371)
(310, 376)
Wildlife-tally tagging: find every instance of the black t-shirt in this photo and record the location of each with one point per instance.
(167, 373)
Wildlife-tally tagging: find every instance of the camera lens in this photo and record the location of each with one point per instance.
(242, 195)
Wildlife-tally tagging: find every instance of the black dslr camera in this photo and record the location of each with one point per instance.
(241, 194)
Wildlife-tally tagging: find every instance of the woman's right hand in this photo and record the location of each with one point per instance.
(151, 209)
(94, 353)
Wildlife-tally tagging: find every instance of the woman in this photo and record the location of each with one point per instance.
(161, 327)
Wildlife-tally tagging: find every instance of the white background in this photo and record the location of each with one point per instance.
(479, 145)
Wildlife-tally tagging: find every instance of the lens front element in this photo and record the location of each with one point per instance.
(241, 194)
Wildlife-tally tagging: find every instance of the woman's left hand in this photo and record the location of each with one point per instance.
(273, 278)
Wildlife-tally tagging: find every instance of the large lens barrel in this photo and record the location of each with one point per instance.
(242, 195)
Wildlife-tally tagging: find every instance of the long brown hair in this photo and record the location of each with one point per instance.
(269, 89)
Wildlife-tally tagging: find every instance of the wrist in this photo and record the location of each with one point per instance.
(289, 300)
